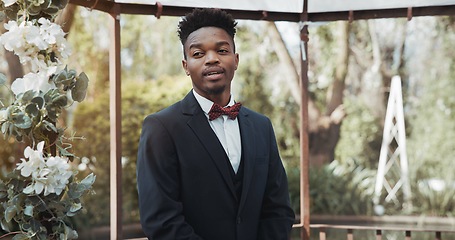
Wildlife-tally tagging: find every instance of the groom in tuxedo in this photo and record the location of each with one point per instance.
(209, 168)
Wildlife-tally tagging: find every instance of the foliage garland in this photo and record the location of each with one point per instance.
(42, 192)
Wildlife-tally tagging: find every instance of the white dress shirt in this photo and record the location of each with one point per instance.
(227, 131)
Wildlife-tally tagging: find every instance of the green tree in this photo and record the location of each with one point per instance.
(431, 145)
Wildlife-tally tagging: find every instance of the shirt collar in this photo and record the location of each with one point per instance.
(206, 104)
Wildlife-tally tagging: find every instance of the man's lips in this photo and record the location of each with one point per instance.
(212, 72)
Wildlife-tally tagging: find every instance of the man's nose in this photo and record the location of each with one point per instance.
(211, 57)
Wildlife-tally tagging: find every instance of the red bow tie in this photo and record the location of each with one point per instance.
(231, 111)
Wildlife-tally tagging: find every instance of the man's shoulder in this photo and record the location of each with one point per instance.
(254, 115)
(169, 112)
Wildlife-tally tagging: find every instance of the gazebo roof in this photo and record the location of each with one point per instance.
(288, 10)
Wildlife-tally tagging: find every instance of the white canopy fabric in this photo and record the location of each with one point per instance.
(348, 5)
(296, 6)
(292, 6)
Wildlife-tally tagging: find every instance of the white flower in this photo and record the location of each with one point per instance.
(10, 40)
(35, 41)
(33, 37)
(59, 177)
(35, 160)
(51, 174)
(3, 115)
(32, 81)
(9, 2)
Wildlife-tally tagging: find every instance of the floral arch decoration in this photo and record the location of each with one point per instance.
(40, 195)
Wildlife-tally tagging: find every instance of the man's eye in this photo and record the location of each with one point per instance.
(197, 54)
(223, 51)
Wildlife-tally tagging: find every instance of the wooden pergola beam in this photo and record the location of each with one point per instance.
(147, 9)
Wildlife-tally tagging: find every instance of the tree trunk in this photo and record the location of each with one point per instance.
(66, 17)
(335, 97)
(285, 60)
(324, 129)
(378, 74)
(293, 77)
(324, 138)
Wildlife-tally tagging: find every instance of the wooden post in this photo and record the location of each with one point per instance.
(115, 125)
(304, 139)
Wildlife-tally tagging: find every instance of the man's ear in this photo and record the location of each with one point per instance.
(236, 60)
(185, 67)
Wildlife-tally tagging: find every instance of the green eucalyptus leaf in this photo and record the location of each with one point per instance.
(89, 180)
(10, 213)
(50, 126)
(32, 109)
(65, 152)
(75, 207)
(75, 191)
(71, 214)
(20, 236)
(60, 3)
(36, 226)
(19, 199)
(28, 96)
(52, 113)
(61, 78)
(39, 101)
(29, 210)
(54, 107)
(72, 73)
(41, 207)
(33, 10)
(34, 200)
(50, 95)
(80, 89)
(5, 126)
(42, 235)
(2, 78)
(22, 121)
(60, 101)
(69, 233)
(45, 4)
(52, 10)
(5, 226)
(2, 16)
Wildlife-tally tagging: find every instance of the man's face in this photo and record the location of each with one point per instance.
(210, 61)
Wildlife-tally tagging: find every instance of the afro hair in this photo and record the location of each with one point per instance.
(208, 17)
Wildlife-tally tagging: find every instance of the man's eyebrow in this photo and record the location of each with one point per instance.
(199, 45)
(195, 45)
(221, 43)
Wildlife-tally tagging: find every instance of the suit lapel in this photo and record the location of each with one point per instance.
(201, 128)
(248, 149)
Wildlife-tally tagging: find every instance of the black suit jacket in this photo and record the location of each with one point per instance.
(185, 188)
